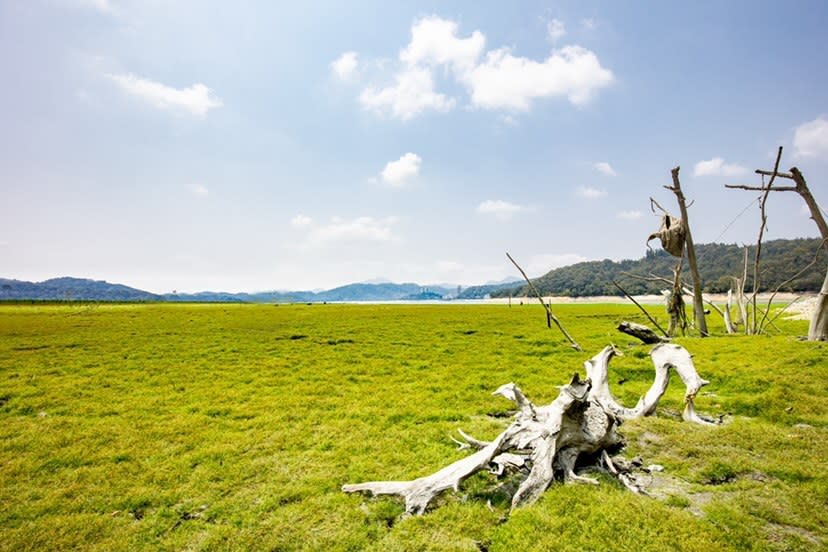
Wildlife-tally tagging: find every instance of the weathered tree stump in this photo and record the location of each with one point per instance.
(546, 442)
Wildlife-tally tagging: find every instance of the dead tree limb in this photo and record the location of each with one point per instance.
(698, 305)
(647, 314)
(641, 332)
(549, 315)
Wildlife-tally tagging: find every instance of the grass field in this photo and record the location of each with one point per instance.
(189, 427)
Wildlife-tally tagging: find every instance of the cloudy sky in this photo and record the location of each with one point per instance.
(249, 146)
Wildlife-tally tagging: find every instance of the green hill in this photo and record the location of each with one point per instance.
(718, 263)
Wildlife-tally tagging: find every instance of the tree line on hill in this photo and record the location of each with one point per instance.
(718, 264)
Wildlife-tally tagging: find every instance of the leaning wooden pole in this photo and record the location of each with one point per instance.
(549, 315)
(698, 302)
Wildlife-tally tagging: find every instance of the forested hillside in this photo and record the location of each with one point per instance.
(718, 263)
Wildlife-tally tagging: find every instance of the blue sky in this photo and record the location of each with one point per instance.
(262, 145)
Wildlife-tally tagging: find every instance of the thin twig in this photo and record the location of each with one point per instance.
(549, 315)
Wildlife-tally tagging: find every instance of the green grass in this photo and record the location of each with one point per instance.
(129, 427)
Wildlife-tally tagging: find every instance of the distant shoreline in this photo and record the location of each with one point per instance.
(718, 298)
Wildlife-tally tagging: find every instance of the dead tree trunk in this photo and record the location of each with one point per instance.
(543, 440)
(698, 303)
(818, 329)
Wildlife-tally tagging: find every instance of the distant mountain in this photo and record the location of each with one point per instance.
(718, 263)
(72, 289)
(77, 289)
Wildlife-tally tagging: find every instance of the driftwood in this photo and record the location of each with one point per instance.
(639, 331)
(547, 442)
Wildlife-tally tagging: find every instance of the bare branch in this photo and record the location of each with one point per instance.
(759, 239)
(647, 314)
(549, 315)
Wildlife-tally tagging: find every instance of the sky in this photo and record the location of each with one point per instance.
(251, 146)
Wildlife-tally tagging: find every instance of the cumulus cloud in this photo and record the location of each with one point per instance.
(590, 192)
(411, 94)
(499, 208)
(434, 41)
(811, 139)
(197, 99)
(361, 229)
(717, 167)
(605, 168)
(398, 173)
(504, 81)
(300, 221)
(629, 215)
(498, 80)
(555, 30)
(345, 65)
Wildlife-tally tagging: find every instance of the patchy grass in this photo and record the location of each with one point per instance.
(129, 427)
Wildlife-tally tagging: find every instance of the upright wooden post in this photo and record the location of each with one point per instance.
(698, 302)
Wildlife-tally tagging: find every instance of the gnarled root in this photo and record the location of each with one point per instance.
(664, 356)
(550, 439)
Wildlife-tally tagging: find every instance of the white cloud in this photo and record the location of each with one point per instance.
(717, 167)
(500, 80)
(504, 81)
(629, 215)
(412, 93)
(543, 263)
(197, 99)
(588, 24)
(434, 41)
(397, 173)
(362, 229)
(300, 221)
(605, 168)
(811, 139)
(199, 189)
(499, 208)
(345, 65)
(590, 192)
(555, 30)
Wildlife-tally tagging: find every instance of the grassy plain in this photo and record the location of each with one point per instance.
(189, 427)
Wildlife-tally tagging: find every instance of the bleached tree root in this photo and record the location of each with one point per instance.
(544, 441)
(664, 356)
